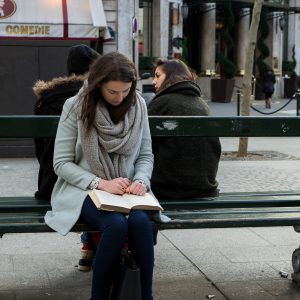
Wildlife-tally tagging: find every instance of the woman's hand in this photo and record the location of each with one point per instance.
(116, 186)
(137, 188)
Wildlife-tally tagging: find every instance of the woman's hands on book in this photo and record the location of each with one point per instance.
(137, 188)
(116, 186)
(121, 185)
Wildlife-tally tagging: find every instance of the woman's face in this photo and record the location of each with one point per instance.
(115, 91)
(159, 78)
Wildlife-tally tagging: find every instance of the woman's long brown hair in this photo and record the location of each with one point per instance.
(175, 70)
(113, 66)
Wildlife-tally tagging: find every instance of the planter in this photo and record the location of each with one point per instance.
(221, 89)
(289, 87)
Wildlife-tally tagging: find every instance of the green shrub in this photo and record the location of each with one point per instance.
(294, 63)
(228, 68)
(289, 66)
(146, 62)
(264, 51)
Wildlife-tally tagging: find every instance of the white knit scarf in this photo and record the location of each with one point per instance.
(107, 146)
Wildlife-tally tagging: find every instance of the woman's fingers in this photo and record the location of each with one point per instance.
(137, 188)
(123, 183)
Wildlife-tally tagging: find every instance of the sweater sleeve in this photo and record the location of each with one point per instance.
(144, 163)
(65, 149)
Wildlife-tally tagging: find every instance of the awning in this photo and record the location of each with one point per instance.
(51, 18)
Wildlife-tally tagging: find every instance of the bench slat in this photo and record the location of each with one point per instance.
(27, 204)
(28, 126)
(229, 222)
(45, 126)
(224, 126)
(210, 218)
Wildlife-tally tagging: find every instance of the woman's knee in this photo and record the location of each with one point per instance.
(139, 218)
(117, 223)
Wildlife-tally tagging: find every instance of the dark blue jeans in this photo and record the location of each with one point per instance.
(115, 228)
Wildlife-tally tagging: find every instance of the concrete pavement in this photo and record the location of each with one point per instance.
(239, 263)
(257, 108)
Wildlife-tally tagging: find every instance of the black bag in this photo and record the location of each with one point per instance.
(127, 284)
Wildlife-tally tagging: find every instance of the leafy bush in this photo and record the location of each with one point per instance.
(146, 62)
(294, 63)
(228, 68)
(264, 51)
(289, 66)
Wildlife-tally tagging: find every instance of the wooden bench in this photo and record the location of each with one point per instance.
(26, 214)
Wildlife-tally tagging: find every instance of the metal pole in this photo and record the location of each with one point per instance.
(238, 102)
(298, 102)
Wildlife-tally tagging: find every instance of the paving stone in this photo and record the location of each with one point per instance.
(230, 272)
(252, 254)
(31, 262)
(280, 236)
(7, 295)
(39, 243)
(249, 291)
(69, 278)
(20, 280)
(184, 289)
(170, 265)
(282, 266)
(6, 263)
(82, 293)
(216, 237)
(281, 289)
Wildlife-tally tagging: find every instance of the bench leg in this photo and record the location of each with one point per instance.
(297, 228)
(296, 265)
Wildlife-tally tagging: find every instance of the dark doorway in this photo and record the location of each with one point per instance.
(22, 63)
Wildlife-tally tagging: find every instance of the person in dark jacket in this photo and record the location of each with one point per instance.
(184, 167)
(268, 86)
(51, 98)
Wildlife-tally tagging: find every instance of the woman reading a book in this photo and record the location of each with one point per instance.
(103, 142)
(178, 94)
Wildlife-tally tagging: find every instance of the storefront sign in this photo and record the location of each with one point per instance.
(7, 8)
(51, 18)
(27, 30)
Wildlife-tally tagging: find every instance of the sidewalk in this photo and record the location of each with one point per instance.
(230, 109)
(239, 263)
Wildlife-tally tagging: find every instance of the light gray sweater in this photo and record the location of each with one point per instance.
(74, 173)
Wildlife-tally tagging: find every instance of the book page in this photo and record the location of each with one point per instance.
(124, 203)
(143, 202)
(108, 199)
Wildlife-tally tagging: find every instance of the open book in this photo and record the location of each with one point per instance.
(123, 203)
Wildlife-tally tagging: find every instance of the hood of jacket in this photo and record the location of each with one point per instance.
(180, 99)
(185, 88)
(40, 87)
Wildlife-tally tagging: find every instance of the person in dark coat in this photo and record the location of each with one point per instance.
(51, 98)
(184, 167)
(268, 86)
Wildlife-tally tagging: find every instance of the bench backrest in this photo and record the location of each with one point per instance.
(28, 126)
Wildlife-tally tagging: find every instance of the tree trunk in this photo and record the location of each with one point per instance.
(245, 111)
